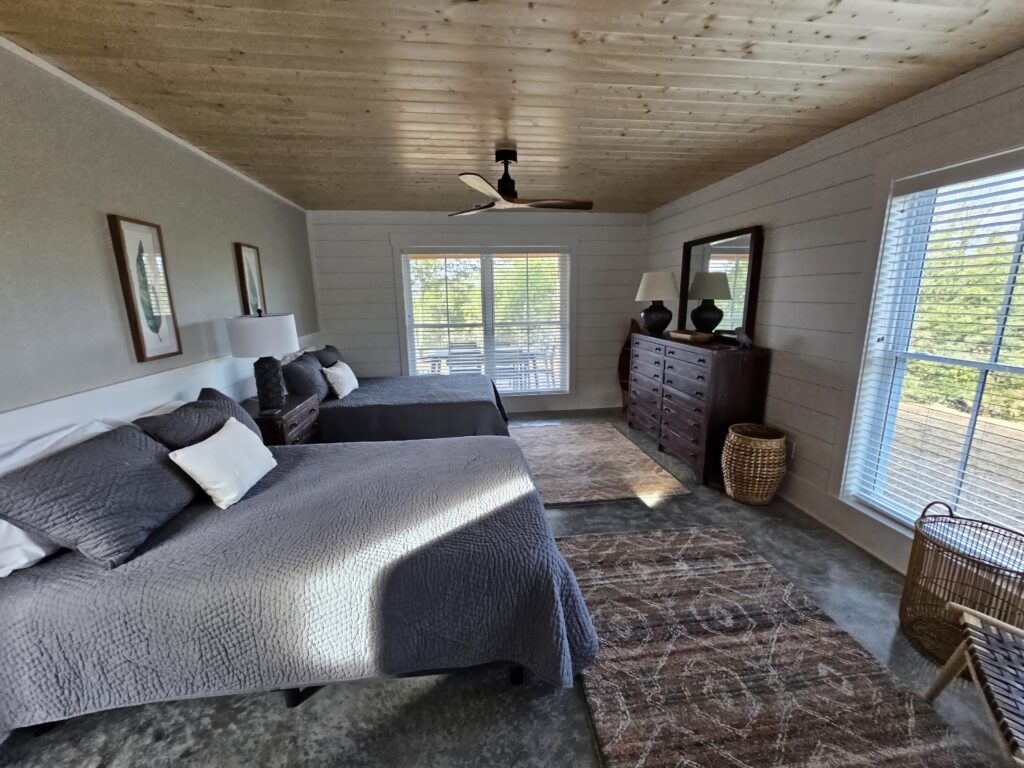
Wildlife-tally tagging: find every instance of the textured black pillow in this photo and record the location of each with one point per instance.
(305, 376)
(102, 497)
(327, 356)
(230, 408)
(194, 422)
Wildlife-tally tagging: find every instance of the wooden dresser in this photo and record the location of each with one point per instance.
(686, 396)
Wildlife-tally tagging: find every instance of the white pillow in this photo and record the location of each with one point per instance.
(18, 548)
(341, 378)
(226, 464)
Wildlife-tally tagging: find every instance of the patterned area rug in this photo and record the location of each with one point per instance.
(710, 658)
(574, 463)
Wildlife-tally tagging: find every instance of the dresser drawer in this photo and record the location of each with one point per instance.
(691, 356)
(684, 448)
(680, 371)
(649, 345)
(681, 416)
(694, 390)
(648, 358)
(645, 402)
(645, 422)
(300, 421)
(652, 372)
(644, 385)
(675, 397)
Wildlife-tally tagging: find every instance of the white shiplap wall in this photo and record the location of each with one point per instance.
(358, 293)
(823, 206)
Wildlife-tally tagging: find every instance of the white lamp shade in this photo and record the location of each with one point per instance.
(657, 286)
(710, 285)
(262, 336)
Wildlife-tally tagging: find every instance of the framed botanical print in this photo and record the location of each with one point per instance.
(250, 278)
(142, 267)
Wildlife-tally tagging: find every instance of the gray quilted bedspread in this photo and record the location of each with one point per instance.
(346, 561)
(414, 408)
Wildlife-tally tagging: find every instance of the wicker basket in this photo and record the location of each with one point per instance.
(956, 559)
(753, 463)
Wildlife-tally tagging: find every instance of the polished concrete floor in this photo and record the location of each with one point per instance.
(475, 718)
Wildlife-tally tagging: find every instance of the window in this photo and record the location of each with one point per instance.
(503, 314)
(940, 409)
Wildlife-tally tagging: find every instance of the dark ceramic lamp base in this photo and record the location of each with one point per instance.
(706, 317)
(269, 383)
(656, 318)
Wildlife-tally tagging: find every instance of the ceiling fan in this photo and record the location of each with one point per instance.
(504, 197)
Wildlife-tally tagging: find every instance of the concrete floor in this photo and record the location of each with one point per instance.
(474, 718)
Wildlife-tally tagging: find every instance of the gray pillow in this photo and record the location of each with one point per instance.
(102, 497)
(228, 406)
(194, 422)
(305, 376)
(327, 356)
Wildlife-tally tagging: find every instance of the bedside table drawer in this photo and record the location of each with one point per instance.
(300, 421)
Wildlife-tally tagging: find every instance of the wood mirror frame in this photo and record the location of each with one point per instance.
(753, 277)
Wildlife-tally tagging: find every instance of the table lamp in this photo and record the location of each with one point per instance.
(657, 288)
(265, 337)
(706, 287)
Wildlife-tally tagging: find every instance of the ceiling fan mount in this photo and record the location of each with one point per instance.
(506, 184)
(505, 197)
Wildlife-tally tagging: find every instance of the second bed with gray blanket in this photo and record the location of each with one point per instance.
(346, 561)
(414, 408)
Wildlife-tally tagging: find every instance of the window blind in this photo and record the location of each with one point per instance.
(940, 406)
(502, 314)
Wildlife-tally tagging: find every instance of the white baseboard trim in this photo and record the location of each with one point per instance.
(880, 537)
(127, 400)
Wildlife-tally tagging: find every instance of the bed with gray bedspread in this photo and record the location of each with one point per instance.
(346, 561)
(414, 408)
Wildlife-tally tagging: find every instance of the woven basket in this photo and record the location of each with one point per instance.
(973, 563)
(753, 463)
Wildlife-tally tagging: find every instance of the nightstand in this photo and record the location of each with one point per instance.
(294, 423)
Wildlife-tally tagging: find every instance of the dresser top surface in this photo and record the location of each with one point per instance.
(711, 346)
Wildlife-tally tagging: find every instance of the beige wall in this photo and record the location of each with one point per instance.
(66, 160)
(823, 207)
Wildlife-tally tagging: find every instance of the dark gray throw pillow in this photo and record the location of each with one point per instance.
(194, 422)
(305, 376)
(102, 497)
(327, 356)
(228, 406)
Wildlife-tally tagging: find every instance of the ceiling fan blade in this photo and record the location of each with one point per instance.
(478, 183)
(478, 209)
(561, 205)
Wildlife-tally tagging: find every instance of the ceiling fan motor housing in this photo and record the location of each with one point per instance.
(506, 184)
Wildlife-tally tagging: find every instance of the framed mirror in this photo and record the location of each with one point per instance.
(718, 282)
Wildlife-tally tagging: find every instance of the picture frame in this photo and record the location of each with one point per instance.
(146, 287)
(250, 279)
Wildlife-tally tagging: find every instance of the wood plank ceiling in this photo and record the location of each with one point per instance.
(379, 104)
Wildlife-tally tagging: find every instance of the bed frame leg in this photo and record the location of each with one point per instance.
(517, 675)
(295, 696)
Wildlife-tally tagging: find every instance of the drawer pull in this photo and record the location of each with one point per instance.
(670, 367)
(293, 425)
(695, 424)
(700, 377)
(671, 352)
(701, 360)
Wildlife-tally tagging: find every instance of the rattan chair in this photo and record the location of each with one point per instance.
(993, 652)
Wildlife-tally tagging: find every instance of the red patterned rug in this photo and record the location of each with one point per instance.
(710, 658)
(577, 463)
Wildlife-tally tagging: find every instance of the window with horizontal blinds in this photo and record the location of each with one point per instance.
(940, 407)
(505, 314)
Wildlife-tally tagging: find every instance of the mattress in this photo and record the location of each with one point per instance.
(414, 408)
(346, 561)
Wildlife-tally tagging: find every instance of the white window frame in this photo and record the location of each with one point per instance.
(401, 251)
(899, 353)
